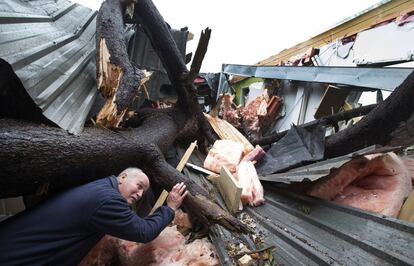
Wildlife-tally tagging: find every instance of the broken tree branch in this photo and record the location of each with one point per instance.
(327, 120)
(163, 43)
(118, 80)
(380, 125)
(199, 55)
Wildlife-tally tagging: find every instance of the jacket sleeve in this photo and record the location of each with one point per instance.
(114, 217)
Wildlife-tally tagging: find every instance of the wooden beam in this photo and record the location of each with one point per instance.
(186, 156)
(228, 188)
(226, 131)
(160, 201)
(164, 194)
(200, 169)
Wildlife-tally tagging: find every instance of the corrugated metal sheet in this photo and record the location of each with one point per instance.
(313, 172)
(51, 47)
(144, 56)
(309, 231)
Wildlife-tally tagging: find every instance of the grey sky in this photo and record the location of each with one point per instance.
(245, 32)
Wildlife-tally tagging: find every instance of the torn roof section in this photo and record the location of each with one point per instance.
(369, 51)
(51, 47)
(384, 17)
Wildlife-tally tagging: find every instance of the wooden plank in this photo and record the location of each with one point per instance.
(164, 194)
(200, 169)
(226, 131)
(160, 201)
(228, 188)
(186, 156)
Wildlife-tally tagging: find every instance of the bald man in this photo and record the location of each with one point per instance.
(62, 230)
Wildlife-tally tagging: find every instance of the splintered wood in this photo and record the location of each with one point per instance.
(160, 201)
(109, 77)
(226, 131)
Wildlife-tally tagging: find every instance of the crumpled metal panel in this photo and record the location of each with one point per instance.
(308, 231)
(368, 77)
(313, 172)
(51, 47)
(142, 53)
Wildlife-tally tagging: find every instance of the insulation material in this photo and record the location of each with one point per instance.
(252, 189)
(226, 153)
(169, 248)
(377, 183)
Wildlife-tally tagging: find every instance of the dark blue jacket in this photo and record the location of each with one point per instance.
(62, 230)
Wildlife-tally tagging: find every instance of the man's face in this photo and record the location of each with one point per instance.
(133, 186)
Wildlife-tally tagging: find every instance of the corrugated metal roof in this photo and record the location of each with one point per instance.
(313, 172)
(144, 56)
(51, 47)
(308, 231)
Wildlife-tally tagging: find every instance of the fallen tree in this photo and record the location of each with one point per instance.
(327, 120)
(35, 156)
(390, 123)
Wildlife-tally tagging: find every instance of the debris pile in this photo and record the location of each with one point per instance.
(169, 248)
(255, 117)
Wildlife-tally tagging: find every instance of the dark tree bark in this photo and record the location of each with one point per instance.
(384, 125)
(33, 155)
(158, 32)
(328, 120)
(118, 80)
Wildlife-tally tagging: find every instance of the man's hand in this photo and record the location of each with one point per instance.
(176, 196)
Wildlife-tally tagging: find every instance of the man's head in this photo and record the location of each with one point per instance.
(132, 184)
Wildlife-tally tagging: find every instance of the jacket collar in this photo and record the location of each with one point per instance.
(113, 181)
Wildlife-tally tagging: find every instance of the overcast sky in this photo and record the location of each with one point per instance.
(245, 32)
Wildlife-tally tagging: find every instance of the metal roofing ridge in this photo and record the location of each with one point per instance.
(8, 18)
(37, 52)
(296, 236)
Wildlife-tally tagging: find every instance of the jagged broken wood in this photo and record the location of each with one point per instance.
(33, 155)
(118, 80)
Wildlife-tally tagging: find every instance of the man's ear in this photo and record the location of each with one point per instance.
(122, 177)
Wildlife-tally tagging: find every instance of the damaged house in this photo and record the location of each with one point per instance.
(303, 158)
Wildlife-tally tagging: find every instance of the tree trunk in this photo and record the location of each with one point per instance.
(34, 155)
(384, 125)
(327, 120)
(118, 80)
(156, 29)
